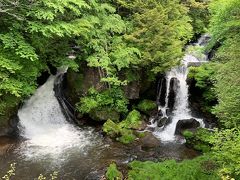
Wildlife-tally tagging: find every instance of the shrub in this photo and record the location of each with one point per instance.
(113, 173)
(199, 168)
(113, 99)
(146, 105)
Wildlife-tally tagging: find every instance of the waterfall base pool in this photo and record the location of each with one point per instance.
(88, 163)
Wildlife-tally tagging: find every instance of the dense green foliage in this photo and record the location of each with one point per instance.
(146, 105)
(202, 140)
(160, 30)
(112, 99)
(205, 79)
(221, 80)
(124, 40)
(199, 168)
(199, 13)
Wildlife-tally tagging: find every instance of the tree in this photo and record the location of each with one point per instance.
(160, 30)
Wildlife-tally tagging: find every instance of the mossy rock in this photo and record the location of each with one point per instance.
(146, 105)
(104, 114)
(133, 120)
(127, 136)
(124, 131)
(111, 128)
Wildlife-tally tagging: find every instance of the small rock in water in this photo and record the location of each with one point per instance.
(163, 121)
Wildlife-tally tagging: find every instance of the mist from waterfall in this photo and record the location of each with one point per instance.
(45, 128)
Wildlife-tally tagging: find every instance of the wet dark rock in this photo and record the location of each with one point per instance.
(43, 78)
(198, 104)
(9, 128)
(161, 94)
(186, 124)
(174, 83)
(53, 70)
(132, 90)
(160, 113)
(149, 141)
(163, 121)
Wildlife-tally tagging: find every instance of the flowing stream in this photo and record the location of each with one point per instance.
(178, 75)
(49, 142)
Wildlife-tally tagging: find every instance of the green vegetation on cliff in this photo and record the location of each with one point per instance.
(126, 43)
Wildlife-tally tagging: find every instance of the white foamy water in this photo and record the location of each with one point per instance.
(181, 109)
(45, 128)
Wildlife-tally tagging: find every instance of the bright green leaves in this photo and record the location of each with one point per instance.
(9, 65)
(228, 91)
(225, 21)
(113, 173)
(225, 26)
(160, 30)
(64, 5)
(15, 41)
(199, 13)
(112, 99)
(123, 131)
(76, 27)
(227, 152)
(15, 78)
(109, 50)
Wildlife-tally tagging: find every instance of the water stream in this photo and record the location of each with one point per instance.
(181, 109)
(48, 142)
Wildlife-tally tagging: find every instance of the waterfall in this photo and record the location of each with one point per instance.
(181, 109)
(44, 126)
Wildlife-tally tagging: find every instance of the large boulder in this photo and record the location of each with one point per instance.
(186, 124)
(104, 114)
(149, 141)
(80, 82)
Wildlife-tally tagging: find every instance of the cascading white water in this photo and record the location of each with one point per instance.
(181, 108)
(44, 126)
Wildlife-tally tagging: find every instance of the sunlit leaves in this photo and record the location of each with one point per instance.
(160, 30)
(15, 41)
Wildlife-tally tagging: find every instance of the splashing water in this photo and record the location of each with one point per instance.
(45, 128)
(181, 108)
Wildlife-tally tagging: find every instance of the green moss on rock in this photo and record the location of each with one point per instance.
(127, 136)
(123, 131)
(104, 114)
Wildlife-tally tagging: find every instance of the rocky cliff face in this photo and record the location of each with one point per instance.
(8, 122)
(78, 84)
